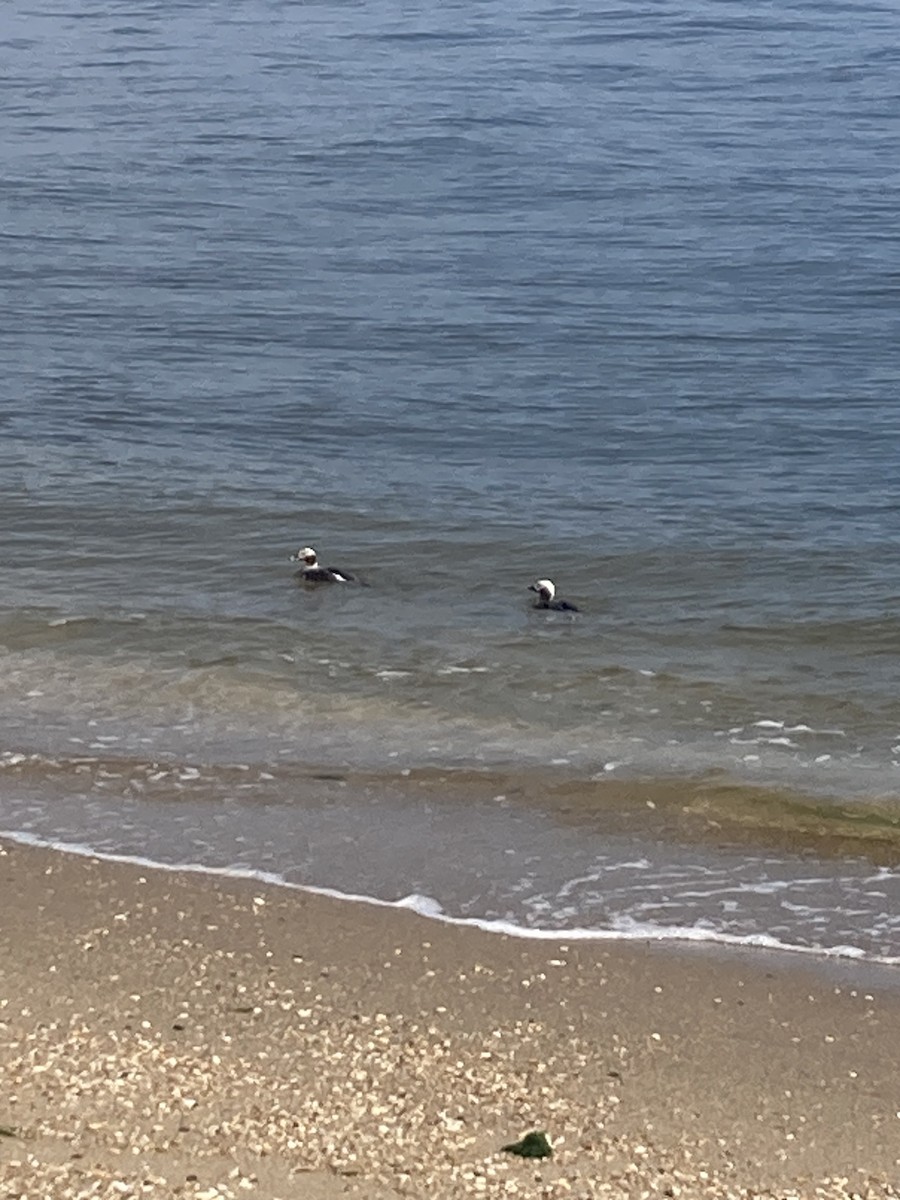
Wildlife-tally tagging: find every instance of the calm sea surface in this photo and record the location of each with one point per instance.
(463, 295)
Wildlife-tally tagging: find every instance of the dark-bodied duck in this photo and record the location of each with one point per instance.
(546, 597)
(312, 572)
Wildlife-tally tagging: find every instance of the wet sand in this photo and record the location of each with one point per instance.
(188, 1035)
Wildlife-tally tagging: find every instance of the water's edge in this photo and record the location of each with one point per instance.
(862, 971)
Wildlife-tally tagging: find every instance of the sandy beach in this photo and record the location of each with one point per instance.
(168, 1034)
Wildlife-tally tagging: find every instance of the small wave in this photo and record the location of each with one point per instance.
(624, 929)
(801, 727)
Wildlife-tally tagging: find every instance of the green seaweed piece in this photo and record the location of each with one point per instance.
(532, 1145)
(7, 1131)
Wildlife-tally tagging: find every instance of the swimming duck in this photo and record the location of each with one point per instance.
(546, 597)
(312, 572)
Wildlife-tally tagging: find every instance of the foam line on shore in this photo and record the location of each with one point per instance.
(425, 906)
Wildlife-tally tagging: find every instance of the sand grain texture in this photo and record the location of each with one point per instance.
(186, 1035)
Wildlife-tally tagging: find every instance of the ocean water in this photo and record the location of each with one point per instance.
(462, 295)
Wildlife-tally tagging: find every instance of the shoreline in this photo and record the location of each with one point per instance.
(209, 1036)
(501, 847)
(883, 971)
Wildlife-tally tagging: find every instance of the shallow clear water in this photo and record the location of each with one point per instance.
(463, 296)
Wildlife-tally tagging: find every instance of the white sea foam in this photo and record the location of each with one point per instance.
(425, 906)
(622, 929)
(800, 727)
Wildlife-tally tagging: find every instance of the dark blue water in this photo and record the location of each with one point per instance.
(463, 295)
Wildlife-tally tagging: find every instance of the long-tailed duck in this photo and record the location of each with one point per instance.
(546, 593)
(312, 572)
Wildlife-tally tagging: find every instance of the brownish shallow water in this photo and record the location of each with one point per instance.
(533, 851)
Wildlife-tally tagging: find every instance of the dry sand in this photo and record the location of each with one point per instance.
(178, 1035)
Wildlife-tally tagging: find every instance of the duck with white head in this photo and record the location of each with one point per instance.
(547, 598)
(311, 571)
